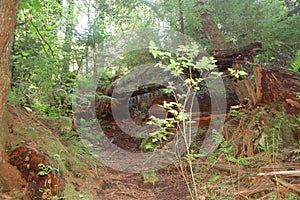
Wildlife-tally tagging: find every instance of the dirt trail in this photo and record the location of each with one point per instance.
(85, 178)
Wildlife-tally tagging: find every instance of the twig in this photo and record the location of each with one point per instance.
(254, 190)
(288, 173)
(286, 184)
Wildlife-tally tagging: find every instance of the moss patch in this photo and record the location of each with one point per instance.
(27, 131)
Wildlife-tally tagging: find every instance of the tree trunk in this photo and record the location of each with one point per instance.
(68, 40)
(211, 30)
(8, 15)
(243, 88)
(181, 21)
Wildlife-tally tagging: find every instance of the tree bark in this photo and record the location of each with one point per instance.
(257, 71)
(244, 89)
(8, 16)
(181, 21)
(211, 30)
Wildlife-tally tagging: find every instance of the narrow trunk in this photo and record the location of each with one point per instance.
(181, 21)
(68, 38)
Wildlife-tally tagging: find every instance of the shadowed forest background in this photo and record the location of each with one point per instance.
(48, 47)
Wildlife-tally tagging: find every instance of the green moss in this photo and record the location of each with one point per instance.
(71, 193)
(65, 158)
(60, 125)
(3, 132)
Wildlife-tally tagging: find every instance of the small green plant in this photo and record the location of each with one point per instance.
(150, 177)
(237, 73)
(297, 151)
(85, 128)
(295, 66)
(84, 197)
(273, 142)
(213, 179)
(45, 170)
(15, 95)
(180, 125)
(236, 113)
(166, 125)
(227, 151)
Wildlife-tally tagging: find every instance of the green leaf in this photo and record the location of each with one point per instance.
(243, 73)
(36, 5)
(41, 165)
(154, 139)
(42, 173)
(24, 5)
(174, 112)
(218, 74)
(32, 30)
(152, 44)
(213, 179)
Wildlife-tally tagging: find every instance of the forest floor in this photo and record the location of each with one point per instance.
(222, 175)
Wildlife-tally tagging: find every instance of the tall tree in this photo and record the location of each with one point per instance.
(265, 21)
(8, 15)
(69, 28)
(46, 46)
(8, 10)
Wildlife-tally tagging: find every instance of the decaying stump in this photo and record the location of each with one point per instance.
(46, 186)
(281, 84)
(243, 88)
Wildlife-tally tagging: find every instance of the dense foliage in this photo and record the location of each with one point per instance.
(56, 39)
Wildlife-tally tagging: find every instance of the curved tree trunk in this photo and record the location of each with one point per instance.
(211, 30)
(8, 15)
(243, 89)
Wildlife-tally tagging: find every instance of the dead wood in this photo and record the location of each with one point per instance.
(293, 187)
(293, 103)
(243, 88)
(281, 84)
(254, 190)
(227, 57)
(287, 173)
(257, 71)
